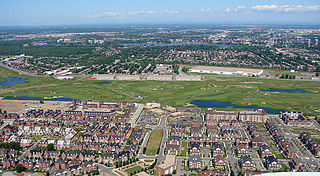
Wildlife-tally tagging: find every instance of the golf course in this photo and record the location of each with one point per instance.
(242, 91)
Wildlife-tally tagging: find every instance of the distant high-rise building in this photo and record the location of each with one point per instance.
(309, 42)
(317, 42)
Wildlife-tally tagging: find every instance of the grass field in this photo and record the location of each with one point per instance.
(184, 145)
(133, 170)
(276, 73)
(317, 140)
(312, 131)
(154, 142)
(243, 91)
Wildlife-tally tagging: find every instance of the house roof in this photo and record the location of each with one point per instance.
(245, 158)
(290, 174)
(258, 139)
(271, 159)
(264, 147)
(194, 158)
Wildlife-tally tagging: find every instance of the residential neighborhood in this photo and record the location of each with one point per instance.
(124, 138)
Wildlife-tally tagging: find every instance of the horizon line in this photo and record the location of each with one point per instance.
(167, 23)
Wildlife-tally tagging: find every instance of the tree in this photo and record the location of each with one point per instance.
(11, 145)
(176, 68)
(231, 173)
(20, 168)
(185, 70)
(50, 147)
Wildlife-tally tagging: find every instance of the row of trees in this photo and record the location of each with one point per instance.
(124, 163)
(285, 76)
(11, 145)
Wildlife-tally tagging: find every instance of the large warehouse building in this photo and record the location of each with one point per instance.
(226, 70)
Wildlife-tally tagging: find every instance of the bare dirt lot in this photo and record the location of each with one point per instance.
(21, 106)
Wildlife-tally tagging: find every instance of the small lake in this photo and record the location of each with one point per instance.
(287, 91)
(37, 98)
(102, 83)
(226, 104)
(13, 81)
(174, 44)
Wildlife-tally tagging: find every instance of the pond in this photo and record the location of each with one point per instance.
(37, 98)
(174, 44)
(13, 81)
(102, 83)
(287, 91)
(226, 104)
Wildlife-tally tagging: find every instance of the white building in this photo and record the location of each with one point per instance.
(226, 70)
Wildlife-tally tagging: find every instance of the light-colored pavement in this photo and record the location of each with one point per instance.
(136, 115)
(108, 170)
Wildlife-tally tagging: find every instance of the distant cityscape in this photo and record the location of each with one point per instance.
(167, 50)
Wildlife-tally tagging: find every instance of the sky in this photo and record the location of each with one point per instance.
(73, 12)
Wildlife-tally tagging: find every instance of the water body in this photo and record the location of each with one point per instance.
(13, 81)
(102, 83)
(287, 91)
(37, 98)
(174, 44)
(226, 104)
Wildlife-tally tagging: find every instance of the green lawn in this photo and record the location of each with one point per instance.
(154, 142)
(275, 73)
(260, 125)
(312, 131)
(317, 140)
(242, 91)
(133, 170)
(279, 156)
(184, 145)
(149, 161)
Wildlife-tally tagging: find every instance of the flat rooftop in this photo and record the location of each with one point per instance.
(227, 69)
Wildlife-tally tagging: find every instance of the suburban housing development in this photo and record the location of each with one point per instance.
(160, 88)
(124, 138)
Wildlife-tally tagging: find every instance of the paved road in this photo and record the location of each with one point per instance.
(144, 144)
(136, 115)
(6, 122)
(302, 151)
(104, 169)
(230, 158)
(161, 157)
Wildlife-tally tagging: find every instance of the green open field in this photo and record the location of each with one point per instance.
(154, 142)
(312, 131)
(134, 170)
(276, 73)
(317, 140)
(243, 91)
(184, 145)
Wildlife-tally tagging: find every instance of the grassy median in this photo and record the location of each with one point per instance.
(154, 142)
